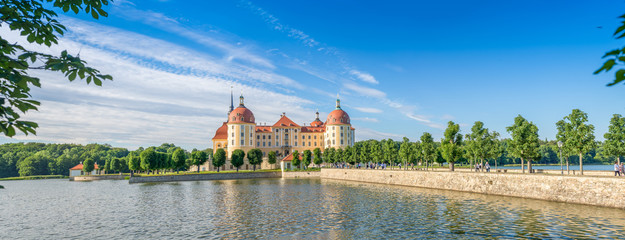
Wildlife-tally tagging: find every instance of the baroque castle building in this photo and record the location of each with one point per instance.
(240, 131)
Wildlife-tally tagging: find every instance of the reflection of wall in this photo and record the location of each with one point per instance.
(572, 189)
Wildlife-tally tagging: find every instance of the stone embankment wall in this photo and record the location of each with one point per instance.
(96, 177)
(202, 177)
(592, 190)
(301, 174)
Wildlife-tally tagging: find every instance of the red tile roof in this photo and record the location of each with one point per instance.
(337, 116)
(289, 158)
(263, 128)
(222, 132)
(285, 122)
(313, 129)
(241, 115)
(79, 167)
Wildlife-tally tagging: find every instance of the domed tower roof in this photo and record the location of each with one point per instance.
(337, 116)
(241, 114)
(317, 122)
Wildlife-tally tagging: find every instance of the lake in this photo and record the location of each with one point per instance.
(285, 209)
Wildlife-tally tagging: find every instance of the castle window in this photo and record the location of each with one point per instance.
(258, 144)
(242, 142)
(269, 137)
(251, 143)
(276, 130)
(232, 142)
(269, 143)
(258, 136)
(309, 144)
(303, 137)
(242, 119)
(341, 141)
(295, 130)
(341, 128)
(332, 134)
(264, 136)
(341, 134)
(332, 127)
(315, 137)
(234, 119)
(277, 143)
(296, 143)
(218, 145)
(333, 142)
(309, 137)
(242, 134)
(264, 144)
(315, 144)
(341, 120)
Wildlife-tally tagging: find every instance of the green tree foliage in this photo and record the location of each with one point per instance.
(615, 57)
(200, 157)
(237, 159)
(87, 166)
(580, 136)
(39, 26)
(614, 143)
(428, 148)
(337, 155)
(480, 142)
(219, 159)
(391, 152)
(148, 160)
(525, 142)
(451, 144)
(327, 155)
(306, 158)
(255, 157)
(296, 161)
(35, 165)
(405, 151)
(134, 162)
(179, 159)
(377, 154)
(317, 157)
(271, 157)
(117, 164)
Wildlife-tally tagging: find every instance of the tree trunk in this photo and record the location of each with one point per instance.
(618, 160)
(529, 165)
(237, 169)
(581, 167)
(522, 166)
(451, 166)
(482, 165)
(198, 168)
(567, 166)
(254, 167)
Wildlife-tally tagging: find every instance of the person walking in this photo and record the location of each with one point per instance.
(487, 167)
(617, 170)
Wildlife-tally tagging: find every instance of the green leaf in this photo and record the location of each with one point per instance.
(94, 14)
(606, 66)
(72, 76)
(613, 52)
(620, 76)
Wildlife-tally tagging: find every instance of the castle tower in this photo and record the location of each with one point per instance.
(241, 128)
(338, 128)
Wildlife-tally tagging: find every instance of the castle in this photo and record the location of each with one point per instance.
(285, 136)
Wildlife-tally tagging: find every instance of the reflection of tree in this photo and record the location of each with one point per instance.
(455, 217)
(528, 225)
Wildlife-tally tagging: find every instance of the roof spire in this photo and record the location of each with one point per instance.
(231, 100)
(317, 115)
(338, 102)
(241, 99)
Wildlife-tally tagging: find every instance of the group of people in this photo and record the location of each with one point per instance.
(619, 169)
(478, 167)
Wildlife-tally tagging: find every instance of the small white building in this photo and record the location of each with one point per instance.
(286, 162)
(77, 170)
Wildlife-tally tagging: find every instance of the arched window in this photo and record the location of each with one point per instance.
(242, 119)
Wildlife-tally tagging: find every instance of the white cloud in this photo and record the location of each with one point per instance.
(161, 92)
(365, 91)
(368, 109)
(366, 77)
(366, 119)
(366, 134)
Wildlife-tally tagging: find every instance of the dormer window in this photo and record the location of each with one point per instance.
(234, 118)
(242, 118)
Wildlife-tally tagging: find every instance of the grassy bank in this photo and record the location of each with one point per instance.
(35, 177)
(204, 172)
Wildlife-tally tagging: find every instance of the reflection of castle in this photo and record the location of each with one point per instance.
(241, 132)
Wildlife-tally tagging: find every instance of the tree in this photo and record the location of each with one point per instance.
(428, 148)
(580, 136)
(237, 158)
(219, 159)
(616, 56)
(198, 158)
(525, 143)
(390, 151)
(116, 165)
(376, 151)
(148, 159)
(451, 144)
(134, 162)
(179, 158)
(306, 158)
(479, 142)
(271, 157)
(337, 156)
(614, 143)
(37, 25)
(317, 157)
(296, 160)
(405, 151)
(255, 156)
(88, 165)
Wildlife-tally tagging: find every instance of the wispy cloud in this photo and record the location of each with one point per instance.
(366, 119)
(365, 91)
(367, 133)
(366, 77)
(368, 109)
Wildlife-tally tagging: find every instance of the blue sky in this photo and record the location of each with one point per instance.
(401, 67)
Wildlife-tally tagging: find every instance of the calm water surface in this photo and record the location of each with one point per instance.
(285, 209)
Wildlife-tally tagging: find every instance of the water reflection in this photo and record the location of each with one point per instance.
(285, 209)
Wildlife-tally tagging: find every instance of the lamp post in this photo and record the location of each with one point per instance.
(560, 157)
